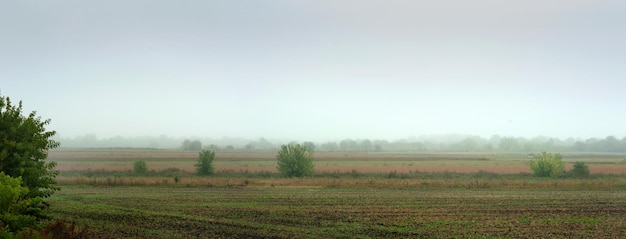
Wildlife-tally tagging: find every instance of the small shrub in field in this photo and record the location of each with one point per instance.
(580, 169)
(204, 167)
(140, 167)
(295, 161)
(547, 165)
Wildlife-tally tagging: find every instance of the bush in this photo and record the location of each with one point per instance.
(140, 167)
(295, 161)
(580, 170)
(17, 211)
(204, 167)
(547, 165)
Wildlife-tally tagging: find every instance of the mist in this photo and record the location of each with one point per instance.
(320, 71)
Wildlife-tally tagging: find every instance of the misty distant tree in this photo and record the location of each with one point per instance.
(348, 145)
(186, 145)
(263, 143)
(194, 145)
(468, 144)
(329, 146)
(249, 146)
(204, 167)
(295, 161)
(509, 144)
(212, 147)
(366, 145)
(309, 145)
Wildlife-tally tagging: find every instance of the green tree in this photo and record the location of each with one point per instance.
(295, 161)
(204, 167)
(140, 167)
(547, 165)
(24, 145)
(580, 170)
(15, 210)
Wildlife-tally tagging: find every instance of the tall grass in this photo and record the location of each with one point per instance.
(413, 179)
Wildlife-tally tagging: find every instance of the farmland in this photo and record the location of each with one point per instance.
(312, 212)
(352, 195)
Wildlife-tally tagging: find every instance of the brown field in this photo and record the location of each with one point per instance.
(109, 160)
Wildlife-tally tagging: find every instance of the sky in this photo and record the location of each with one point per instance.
(318, 69)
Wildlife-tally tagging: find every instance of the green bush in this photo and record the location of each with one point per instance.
(547, 165)
(16, 210)
(295, 161)
(204, 167)
(580, 170)
(140, 167)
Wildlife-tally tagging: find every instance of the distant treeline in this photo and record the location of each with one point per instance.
(449, 143)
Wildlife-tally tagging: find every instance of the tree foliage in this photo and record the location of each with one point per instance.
(15, 210)
(547, 165)
(204, 167)
(295, 161)
(24, 145)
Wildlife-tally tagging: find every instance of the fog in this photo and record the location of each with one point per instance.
(318, 70)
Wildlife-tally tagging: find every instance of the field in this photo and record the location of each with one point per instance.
(108, 160)
(312, 212)
(352, 195)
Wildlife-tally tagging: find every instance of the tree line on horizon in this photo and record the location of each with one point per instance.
(453, 143)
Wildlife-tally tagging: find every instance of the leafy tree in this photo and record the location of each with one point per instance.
(295, 161)
(140, 167)
(547, 165)
(204, 167)
(580, 169)
(24, 145)
(15, 210)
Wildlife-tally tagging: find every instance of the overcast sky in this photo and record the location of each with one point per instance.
(318, 69)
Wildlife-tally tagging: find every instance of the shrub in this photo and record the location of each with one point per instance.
(295, 161)
(580, 170)
(140, 167)
(204, 167)
(547, 165)
(16, 210)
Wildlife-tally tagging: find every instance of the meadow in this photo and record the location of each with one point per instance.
(352, 195)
